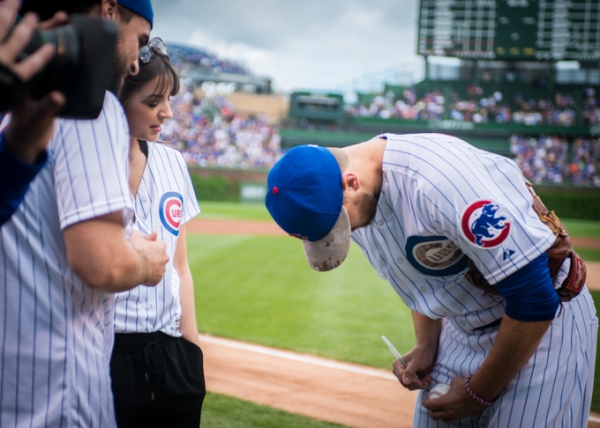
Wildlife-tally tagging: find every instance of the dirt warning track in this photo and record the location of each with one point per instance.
(319, 388)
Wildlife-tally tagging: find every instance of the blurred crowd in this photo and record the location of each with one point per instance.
(545, 111)
(584, 169)
(208, 132)
(428, 107)
(475, 107)
(185, 58)
(553, 160)
(591, 107)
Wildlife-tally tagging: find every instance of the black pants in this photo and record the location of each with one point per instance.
(157, 381)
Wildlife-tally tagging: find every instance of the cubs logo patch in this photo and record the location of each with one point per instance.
(482, 224)
(435, 255)
(170, 211)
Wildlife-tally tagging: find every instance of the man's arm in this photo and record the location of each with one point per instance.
(15, 176)
(515, 344)
(531, 305)
(420, 359)
(22, 146)
(188, 326)
(99, 254)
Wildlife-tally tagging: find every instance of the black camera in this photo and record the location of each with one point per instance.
(81, 69)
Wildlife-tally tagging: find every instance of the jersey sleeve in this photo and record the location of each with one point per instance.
(190, 204)
(91, 165)
(15, 178)
(488, 213)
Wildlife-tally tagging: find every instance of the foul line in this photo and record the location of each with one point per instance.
(309, 359)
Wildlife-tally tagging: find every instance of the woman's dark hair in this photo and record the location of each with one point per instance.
(160, 66)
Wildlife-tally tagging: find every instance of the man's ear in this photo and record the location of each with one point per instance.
(110, 9)
(350, 181)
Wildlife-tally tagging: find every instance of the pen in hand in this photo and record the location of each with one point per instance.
(398, 356)
(394, 351)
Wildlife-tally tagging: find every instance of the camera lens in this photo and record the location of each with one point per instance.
(61, 70)
(81, 69)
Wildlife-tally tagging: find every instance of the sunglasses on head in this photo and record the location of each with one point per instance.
(147, 53)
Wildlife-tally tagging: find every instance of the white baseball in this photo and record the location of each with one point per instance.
(439, 390)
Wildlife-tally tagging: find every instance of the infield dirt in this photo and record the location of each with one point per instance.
(348, 394)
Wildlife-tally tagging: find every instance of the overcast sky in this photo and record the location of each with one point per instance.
(307, 44)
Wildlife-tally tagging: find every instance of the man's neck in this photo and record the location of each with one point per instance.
(366, 161)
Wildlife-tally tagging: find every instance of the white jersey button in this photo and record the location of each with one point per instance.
(423, 289)
(144, 199)
(400, 260)
(379, 223)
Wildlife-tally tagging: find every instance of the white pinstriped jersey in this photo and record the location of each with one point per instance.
(165, 200)
(56, 333)
(442, 200)
(552, 390)
(417, 242)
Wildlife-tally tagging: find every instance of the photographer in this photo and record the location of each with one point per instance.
(65, 251)
(23, 143)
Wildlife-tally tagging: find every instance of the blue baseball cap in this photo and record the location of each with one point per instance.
(141, 7)
(305, 198)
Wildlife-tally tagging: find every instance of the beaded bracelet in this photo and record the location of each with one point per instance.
(475, 396)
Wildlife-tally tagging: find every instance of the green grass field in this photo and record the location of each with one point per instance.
(233, 210)
(221, 411)
(259, 289)
(583, 228)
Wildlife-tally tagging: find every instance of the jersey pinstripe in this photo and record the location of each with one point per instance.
(553, 389)
(57, 333)
(165, 181)
(430, 217)
(422, 198)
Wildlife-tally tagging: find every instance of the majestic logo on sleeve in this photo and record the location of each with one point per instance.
(483, 226)
(170, 211)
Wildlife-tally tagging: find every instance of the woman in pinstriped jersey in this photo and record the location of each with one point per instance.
(157, 365)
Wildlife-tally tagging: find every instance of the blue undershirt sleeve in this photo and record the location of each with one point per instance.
(529, 292)
(15, 176)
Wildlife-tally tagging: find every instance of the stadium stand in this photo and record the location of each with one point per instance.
(542, 160)
(470, 103)
(584, 169)
(591, 106)
(407, 106)
(554, 160)
(209, 132)
(185, 57)
(248, 131)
